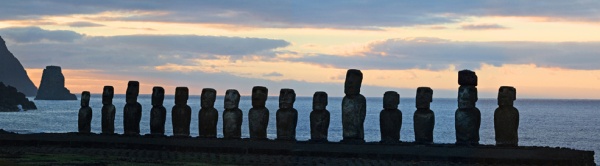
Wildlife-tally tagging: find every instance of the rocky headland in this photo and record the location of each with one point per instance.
(12, 72)
(10, 99)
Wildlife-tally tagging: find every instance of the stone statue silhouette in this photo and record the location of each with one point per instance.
(181, 114)
(258, 116)
(390, 118)
(506, 118)
(286, 116)
(354, 108)
(85, 113)
(467, 116)
(132, 111)
(424, 118)
(232, 116)
(108, 110)
(319, 118)
(208, 115)
(158, 113)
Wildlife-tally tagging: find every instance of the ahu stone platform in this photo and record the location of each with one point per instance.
(450, 153)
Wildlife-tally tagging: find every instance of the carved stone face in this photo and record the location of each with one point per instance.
(232, 99)
(507, 95)
(208, 97)
(467, 96)
(353, 82)
(320, 101)
(287, 97)
(391, 100)
(181, 95)
(158, 96)
(85, 99)
(133, 90)
(259, 96)
(107, 94)
(424, 97)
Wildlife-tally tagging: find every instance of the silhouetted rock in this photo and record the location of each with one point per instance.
(132, 112)
(85, 113)
(467, 77)
(319, 118)
(208, 115)
(506, 118)
(232, 116)
(467, 117)
(181, 114)
(424, 118)
(13, 73)
(158, 113)
(354, 108)
(52, 86)
(390, 118)
(108, 110)
(258, 116)
(10, 99)
(286, 116)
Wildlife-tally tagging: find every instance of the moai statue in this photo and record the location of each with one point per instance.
(354, 108)
(181, 114)
(259, 114)
(467, 116)
(319, 118)
(208, 115)
(133, 110)
(424, 119)
(390, 118)
(158, 113)
(286, 116)
(85, 113)
(108, 110)
(506, 118)
(232, 116)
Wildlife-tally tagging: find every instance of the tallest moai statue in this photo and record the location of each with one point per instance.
(354, 108)
(467, 116)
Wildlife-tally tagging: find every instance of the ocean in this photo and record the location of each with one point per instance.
(543, 122)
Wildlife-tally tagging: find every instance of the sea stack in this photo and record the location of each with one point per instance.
(208, 115)
(85, 113)
(258, 116)
(506, 118)
(181, 114)
(424, 118)
(286, 116)
(354, 108)
(52, 86)
(319, 118)
(467, 116)
(12, 73)
(232, 116)
(158, 113)
(390, 118)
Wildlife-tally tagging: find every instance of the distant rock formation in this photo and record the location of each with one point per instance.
(10, 99)
(12, 72)
(52, 86)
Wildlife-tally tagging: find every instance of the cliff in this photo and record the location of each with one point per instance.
(10, 99)
(52, 86)
(12, 72)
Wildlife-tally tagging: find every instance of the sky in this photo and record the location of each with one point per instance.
(545, 49)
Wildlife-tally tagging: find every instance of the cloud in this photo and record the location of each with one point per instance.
(350, 14)
(128, 52)
(482, 27)
(36, 34)
(83, 24)
(438, 54)
(273, 74)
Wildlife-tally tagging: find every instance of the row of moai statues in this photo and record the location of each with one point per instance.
(467, 116)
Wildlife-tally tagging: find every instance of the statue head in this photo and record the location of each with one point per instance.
(158, 96)
(507, 95)
(353, 82)
(287, 97)
(467, 96)
(320, 101)
(208, 97)
(85, 99)
(391, 99)
(259, 96)
(107, 94)
(424, 97)
(181, 95)
(467, 77)
(133, 90)
(232, 99)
